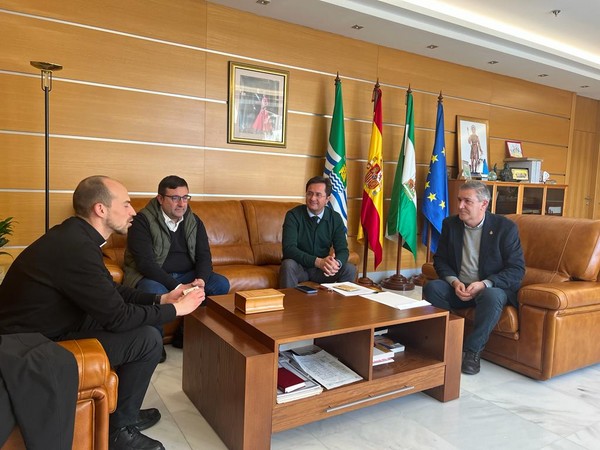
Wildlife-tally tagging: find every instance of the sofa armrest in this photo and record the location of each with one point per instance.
(95, 374)
(557, 296)
(115, 271)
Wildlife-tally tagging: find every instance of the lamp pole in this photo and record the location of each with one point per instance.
(46, 78)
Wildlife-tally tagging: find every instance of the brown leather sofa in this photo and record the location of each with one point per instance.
(555, 329)
(96, 399)
(244, 237)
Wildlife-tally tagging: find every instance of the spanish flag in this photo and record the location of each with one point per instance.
(371, 212)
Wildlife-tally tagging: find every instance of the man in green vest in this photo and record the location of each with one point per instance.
(167, 246)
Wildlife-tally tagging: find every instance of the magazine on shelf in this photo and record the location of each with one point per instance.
(324, 368)
(382, 355)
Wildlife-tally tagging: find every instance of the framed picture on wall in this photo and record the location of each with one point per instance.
(257, 112)
(473, 143)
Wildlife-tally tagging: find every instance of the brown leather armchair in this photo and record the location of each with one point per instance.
(96, 398)
(553, 331)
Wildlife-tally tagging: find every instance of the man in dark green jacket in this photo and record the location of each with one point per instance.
(314, 241)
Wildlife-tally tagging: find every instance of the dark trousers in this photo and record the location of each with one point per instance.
(133, 355)
(488, 308)
(38, 387)
(291, 273)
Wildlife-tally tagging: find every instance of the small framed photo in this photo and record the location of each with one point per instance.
(514, 149)
(473, 143)
(465, 173)
(519, 174)
(257, 110)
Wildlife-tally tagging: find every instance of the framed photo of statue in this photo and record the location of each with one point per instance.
(257, 105)
(473, 142)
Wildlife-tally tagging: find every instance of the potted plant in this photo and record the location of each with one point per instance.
(5, 230)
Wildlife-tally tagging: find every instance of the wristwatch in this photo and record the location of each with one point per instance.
(157, 299)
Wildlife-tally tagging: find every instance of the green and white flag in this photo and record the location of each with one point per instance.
(335, 160)
(402, 217)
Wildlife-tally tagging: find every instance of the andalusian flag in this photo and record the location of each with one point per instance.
(435, 198)
(402, 218)
(335, 161)
(371, 212)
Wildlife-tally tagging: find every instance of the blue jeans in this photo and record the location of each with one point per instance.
(488, 308)
(215, 285)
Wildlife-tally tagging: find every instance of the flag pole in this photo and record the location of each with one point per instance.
(365, 280)
(399, 282)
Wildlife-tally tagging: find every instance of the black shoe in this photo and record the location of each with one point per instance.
(130, 438)
(163, 357)
(146, 418)
(177, 341)
(470, 362)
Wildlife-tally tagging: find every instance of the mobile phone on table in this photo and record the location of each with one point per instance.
(306, 289)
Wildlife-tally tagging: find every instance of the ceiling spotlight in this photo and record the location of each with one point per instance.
(492, 62)
(263, 2)
(584, 86)
(432, 46)
(357, 27)
(542, 75)
(556, 12)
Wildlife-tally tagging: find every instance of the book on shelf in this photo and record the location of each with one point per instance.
(309, 389)
(259, 300)
(288, 381)
(382, 355)
(386, 341)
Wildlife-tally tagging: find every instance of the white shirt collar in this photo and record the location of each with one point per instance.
(171, 224)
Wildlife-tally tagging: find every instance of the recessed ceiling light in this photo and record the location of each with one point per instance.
(542, 75)
(492, 62)
(357, 27)
(584, 86)
(556, 12)
(432, 46)
(263, 2)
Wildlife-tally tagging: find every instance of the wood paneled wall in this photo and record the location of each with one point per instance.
(143, 94)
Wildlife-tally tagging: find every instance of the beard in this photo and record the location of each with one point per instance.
(116, 228)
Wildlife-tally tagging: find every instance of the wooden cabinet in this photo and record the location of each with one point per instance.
(517, 198)
(230, 360)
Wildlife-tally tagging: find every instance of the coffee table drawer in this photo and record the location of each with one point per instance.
(355, 396)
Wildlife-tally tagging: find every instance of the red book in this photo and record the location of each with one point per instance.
(288, 381)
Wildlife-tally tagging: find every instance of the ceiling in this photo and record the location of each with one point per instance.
(524, 37)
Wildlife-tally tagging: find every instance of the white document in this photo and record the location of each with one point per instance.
(326, 369)
(348, 289)
(396, 300)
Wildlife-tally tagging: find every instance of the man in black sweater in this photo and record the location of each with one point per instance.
(168, 245)
(59, 287)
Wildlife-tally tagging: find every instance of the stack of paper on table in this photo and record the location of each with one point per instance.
(347, 288)
(389, 343)
(396, 300)
(325, 369)
(309, 389)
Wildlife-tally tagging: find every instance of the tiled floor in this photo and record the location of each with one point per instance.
(498, 409)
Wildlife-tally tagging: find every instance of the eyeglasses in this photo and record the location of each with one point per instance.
(319, 195)
(176, 198)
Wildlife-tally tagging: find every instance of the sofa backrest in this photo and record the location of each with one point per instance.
(559, 248)
(226, 229)
(265, 224)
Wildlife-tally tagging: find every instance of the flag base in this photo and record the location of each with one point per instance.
(366, 281)
(419, 280)
(398, 283)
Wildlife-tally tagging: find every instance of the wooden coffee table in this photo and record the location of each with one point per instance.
(230, 360)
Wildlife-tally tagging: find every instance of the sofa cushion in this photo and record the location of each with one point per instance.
(265, 225)
(559, 248)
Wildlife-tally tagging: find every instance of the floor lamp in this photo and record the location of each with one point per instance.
(47, 69)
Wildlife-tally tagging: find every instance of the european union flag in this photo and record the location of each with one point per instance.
(435, 198)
